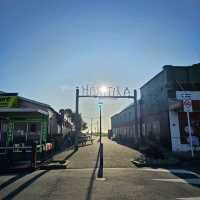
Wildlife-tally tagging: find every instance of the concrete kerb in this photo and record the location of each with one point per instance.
(50, 163)
(55, 165)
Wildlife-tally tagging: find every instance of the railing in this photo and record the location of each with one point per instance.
(34, 150)
(85, 139)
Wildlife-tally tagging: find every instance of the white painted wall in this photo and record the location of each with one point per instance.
(175, 134)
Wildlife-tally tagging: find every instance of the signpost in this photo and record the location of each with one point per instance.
(187, 106)
(187, 97)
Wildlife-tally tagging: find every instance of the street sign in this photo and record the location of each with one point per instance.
(193, 95)
(187, 105)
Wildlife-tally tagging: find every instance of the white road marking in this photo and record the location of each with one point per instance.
(177, 171)
(194, 181)
(190, 198)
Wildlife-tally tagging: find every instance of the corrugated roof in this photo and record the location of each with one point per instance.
(22, 110)
(34, 102)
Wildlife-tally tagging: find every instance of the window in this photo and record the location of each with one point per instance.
(26, 131)
(33, 128)
(20, 129)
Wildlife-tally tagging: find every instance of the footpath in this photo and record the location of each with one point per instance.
(85, 157)
(115, 156)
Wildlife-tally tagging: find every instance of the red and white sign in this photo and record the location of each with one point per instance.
(187, 105)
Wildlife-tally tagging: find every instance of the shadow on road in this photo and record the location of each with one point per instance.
(90, 187)
(12, 180)
(12, 194)
(189, 178)
(70, 155)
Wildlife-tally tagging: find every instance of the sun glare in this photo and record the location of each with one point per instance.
(103, 89)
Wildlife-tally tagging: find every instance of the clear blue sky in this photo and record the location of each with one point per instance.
(47, 48)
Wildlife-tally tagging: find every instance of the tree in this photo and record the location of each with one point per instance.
(84, 126)
(61, 119)
(71, 116)
(68, 112)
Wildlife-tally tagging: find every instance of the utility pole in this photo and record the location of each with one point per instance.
(77, 122)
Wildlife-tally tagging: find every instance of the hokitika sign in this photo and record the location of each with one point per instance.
(105, 91)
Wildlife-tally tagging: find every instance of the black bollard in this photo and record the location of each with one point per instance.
(100, 171)
(10, 156)
(34, 155)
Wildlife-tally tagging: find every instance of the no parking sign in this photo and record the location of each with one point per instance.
(187, 105)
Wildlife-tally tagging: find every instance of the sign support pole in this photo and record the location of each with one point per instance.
(187, 106)
(190, 133)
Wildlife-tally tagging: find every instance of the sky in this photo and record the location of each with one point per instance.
(47, 48)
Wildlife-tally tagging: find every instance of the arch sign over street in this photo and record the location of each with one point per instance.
(104, 92)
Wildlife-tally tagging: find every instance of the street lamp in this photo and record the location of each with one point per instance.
(100, 172)
(100, 129)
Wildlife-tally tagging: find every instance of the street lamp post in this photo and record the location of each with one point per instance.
(100, 172)
(100, 124)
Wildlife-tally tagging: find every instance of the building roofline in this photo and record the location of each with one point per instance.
(166, 67)
(38, 103)
(151, 79)
(33, 101)
(23, 110)
(127, 107)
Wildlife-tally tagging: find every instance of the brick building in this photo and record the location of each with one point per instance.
(160, 111)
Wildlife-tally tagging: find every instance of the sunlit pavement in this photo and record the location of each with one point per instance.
(123, 180)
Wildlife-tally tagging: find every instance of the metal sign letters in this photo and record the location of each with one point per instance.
(95, 91)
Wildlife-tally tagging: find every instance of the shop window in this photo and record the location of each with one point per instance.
(34, 132)
(20, 132)
(20, 129)
(33, 128)
(25, 132)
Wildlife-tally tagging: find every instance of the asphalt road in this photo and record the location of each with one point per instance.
(122, 179)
